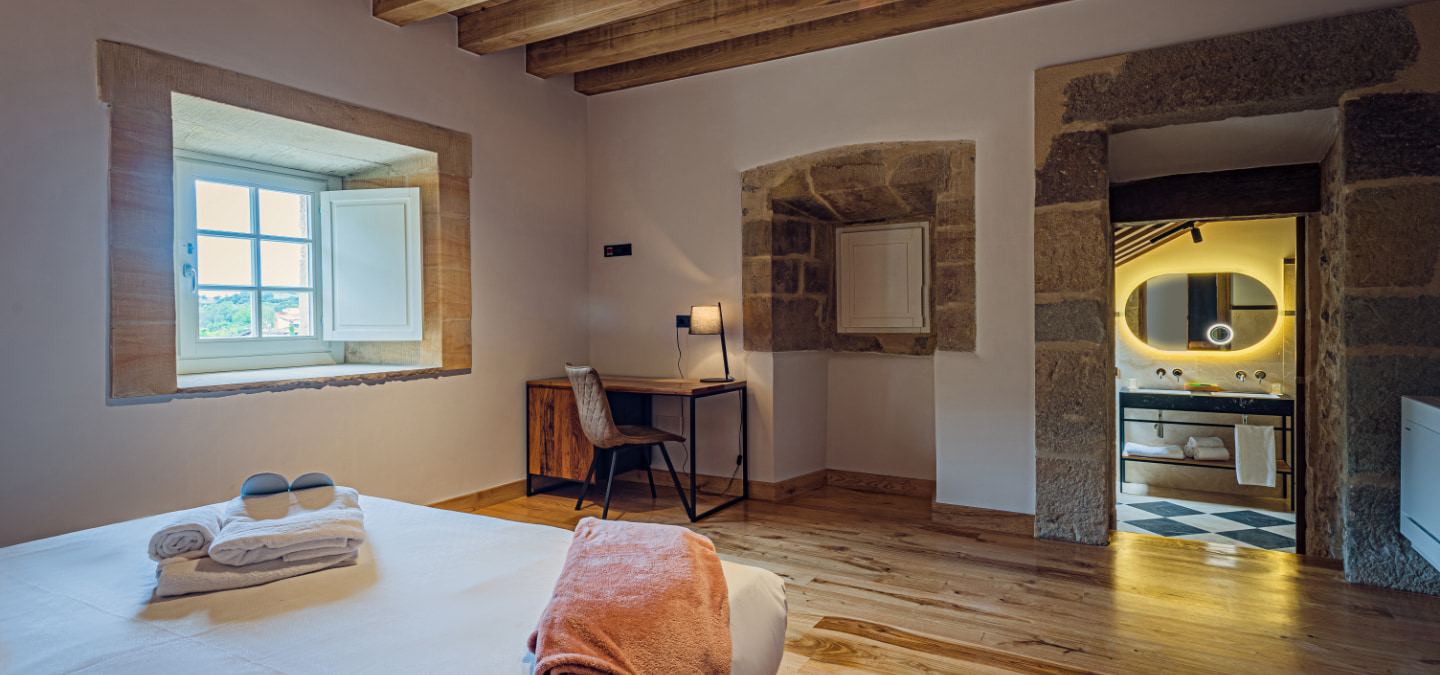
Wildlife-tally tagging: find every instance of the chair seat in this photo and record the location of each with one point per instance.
(640, 435)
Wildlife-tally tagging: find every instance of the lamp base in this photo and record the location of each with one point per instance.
(717, 379)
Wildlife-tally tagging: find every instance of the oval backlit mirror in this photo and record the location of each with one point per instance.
(1221, 311)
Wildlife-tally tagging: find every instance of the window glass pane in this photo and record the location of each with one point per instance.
(225, 261)
(226, 314)
(283, 263)
(284, 214)
(285, 314)
(222, 207)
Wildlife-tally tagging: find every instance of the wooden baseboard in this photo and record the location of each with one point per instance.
(478, 500)
(776, 491)
(889, 485)
(983, 519)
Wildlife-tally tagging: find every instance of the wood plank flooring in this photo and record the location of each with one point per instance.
(875, 586)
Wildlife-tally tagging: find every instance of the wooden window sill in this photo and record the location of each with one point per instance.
(302, 376)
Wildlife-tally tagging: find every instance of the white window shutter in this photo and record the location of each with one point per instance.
(370, 253)
(883, 279)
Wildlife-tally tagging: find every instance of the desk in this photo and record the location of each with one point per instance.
(556, 447)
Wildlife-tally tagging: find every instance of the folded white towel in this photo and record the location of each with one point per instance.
(201, 575)
(189, 535)
(1255, 455)
(1207, 453)
(308, 524)
(1162, 452)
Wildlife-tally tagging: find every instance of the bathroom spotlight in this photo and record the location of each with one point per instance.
(1220, 334)
(1195, 234)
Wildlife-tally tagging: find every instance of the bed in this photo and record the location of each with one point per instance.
(433, 592)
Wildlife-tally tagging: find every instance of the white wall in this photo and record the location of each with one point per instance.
(665, 163)
(881, 415)
(69, 459)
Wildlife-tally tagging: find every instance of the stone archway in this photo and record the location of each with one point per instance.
(1373, 254)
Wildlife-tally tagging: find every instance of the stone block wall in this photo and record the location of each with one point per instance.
(790, 210)
(1373, 290)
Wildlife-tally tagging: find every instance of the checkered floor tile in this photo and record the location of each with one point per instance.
(1214, 523)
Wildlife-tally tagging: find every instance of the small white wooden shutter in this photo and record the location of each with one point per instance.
(370, 252)
(883, 278)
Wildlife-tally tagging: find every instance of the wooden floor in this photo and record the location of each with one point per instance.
(875, 586)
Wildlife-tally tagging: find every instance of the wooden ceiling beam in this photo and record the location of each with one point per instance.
(404, 12)
(689, 24)
(887, 20)
(521, 22)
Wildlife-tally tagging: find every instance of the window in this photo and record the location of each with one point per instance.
(884, 275)
(248, 281)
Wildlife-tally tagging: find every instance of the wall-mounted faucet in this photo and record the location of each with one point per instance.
(1240, 375)
(1260, 375)
(1177, 373)
(1159, 373)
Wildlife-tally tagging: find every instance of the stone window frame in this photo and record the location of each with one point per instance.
(136, 84)
(1381, 187)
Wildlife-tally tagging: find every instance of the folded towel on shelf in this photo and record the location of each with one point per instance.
(1255, 455)
(1161, 452)
(1206, 453)
(189, 535)
(312, 524)
(635, 598)
(179, 576)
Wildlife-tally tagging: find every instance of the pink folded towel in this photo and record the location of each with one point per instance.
(636, 599)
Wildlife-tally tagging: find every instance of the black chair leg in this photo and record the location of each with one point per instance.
(609, 484)
(580, 503)
(649, 474)
(684, 501)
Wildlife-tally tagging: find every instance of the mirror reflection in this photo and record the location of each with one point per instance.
(1221, 311)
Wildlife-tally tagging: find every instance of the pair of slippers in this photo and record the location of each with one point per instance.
(270, 483)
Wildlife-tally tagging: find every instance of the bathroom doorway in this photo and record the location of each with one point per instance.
(1208, 341)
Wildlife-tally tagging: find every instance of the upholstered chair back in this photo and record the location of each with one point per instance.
(595, 418)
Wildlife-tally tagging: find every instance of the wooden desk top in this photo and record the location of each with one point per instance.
(664, 386)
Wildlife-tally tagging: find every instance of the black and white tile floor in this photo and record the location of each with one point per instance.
(1199, 521)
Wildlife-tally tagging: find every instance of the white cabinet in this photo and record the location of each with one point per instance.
(883, 275)
(1420, 475)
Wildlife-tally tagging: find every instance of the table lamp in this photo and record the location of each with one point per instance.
(707, 320)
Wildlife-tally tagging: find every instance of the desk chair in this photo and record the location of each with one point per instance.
(609, 441)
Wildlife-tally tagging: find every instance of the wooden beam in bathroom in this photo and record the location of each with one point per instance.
(405, 12)
(520, 22)
(883, 20)
(1271, 191)
(683, 26)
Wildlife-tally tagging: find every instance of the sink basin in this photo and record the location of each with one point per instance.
(1182, 392)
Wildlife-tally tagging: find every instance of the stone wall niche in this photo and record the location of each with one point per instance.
(790, 210)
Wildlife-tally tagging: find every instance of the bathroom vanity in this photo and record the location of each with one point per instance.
(1224, 403)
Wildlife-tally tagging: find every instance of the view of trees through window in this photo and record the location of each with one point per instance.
(230, 315)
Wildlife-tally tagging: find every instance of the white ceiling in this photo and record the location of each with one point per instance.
(1235, 143)
(200, 125)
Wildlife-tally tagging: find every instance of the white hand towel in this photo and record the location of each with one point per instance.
(189, 535)
(1162, 452)
(1255, 455)
(201, 575)
(290, 526)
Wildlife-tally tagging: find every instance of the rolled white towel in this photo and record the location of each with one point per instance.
(1210, 454)
(201, 575)
(1162, 452)
(1202, 442)
(293, 526)
(189, 536)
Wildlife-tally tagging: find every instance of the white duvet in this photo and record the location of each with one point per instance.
(433, 592)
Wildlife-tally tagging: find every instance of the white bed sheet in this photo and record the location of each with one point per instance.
(433, 592)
